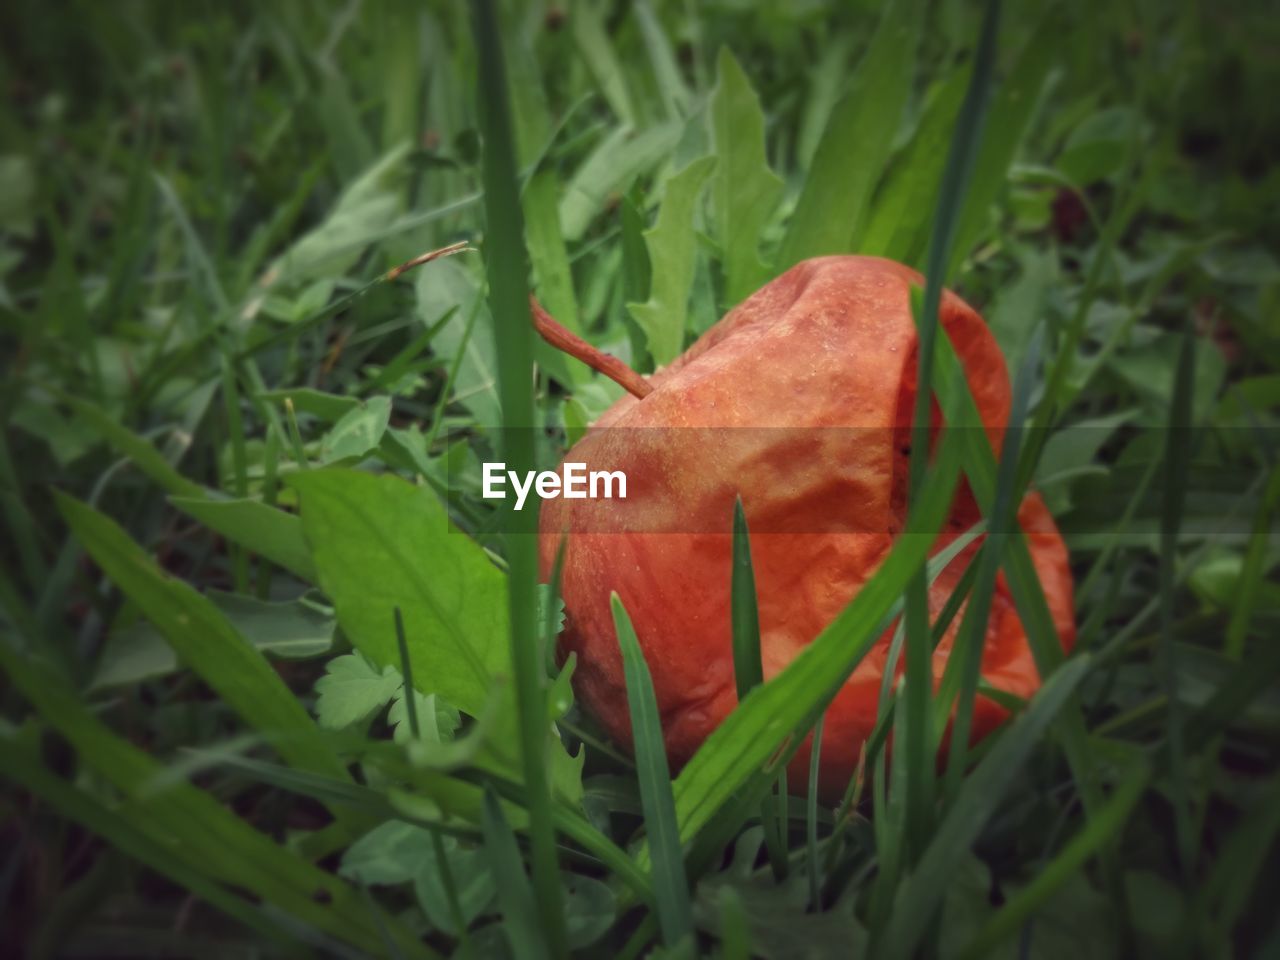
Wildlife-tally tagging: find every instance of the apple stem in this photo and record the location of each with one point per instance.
(593, 357)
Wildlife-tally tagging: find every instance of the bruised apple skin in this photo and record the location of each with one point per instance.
(828, 345)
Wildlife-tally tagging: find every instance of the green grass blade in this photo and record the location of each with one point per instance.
(205, 640)
(811, 820)
(507, 271)
(923, 891)
(1177, 458)
(224, 846)
(1098, 830)
(1251, 575)
(136, 838)
(919, 750)
(671, 886)
(1002, 518)
(144, 456)
(515, 897)
(1011, 113)
(894, 227)
(748, 671)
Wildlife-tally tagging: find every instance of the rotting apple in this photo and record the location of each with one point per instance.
(819, 367)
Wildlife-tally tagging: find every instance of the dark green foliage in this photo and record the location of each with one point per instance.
(277, 679)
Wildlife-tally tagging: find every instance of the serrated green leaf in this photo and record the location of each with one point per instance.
(745, 190)
(352, 690)
(672, 245)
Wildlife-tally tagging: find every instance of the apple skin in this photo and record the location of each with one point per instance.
(829, 344)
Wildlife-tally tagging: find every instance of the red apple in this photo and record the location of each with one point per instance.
(799, 400)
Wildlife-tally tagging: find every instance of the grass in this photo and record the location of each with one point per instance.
(276, 677)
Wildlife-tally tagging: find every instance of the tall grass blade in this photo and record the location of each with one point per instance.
(506, 267)
(515, 897)
(1178, 447)
(811, 819)
(670, 883)
(1002, 517)
(922, 893)
(206, 641)
(748, 672)
(919, 750)
(1098, 829)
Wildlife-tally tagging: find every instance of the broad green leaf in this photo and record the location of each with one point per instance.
(358, 432)
(530, 114)
(204, 639)
(672, 247)
(549, 259)
(352, 690)
(1148, 368)
(17, 193)
(68, 438)
(400, 853)
(851, 157)
(379, 542)
(547, 253)
(1096, 148)
(745, 190)
(256, 526)
(390, 853)
(828, 81)
(473, 884)
(1019, 306)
